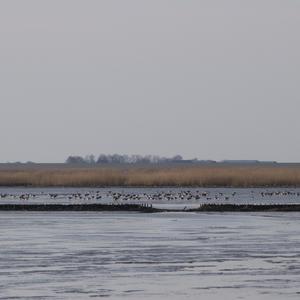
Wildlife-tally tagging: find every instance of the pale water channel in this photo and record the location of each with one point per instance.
(90, 255)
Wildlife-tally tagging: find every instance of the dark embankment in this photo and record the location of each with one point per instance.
(78, 207)
(149, 209)
(197, 176)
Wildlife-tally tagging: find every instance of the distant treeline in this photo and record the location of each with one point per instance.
(125, 159)
(151, 159)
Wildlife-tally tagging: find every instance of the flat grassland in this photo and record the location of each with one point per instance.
(159, 176)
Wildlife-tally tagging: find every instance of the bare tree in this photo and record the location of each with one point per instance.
(75, 160)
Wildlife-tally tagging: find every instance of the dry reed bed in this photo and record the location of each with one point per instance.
(175, 176)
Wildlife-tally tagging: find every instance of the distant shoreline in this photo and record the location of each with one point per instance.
(149, 209)
(237, 176)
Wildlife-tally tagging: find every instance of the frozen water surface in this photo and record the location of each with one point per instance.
(87, 255)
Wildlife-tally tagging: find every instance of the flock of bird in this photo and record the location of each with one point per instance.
(280, 193)
(158, 195)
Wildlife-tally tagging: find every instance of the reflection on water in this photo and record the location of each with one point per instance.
(85, 255)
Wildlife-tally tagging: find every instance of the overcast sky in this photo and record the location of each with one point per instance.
(210, 79)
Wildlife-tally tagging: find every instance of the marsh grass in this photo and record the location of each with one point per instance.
(148, 177)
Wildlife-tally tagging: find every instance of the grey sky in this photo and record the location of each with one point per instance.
(211, 79)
